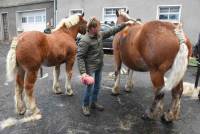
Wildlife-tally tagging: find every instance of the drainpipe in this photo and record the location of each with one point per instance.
(55, 12)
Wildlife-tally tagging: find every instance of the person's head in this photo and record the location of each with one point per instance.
(48, 24)
(139, 20)
(93, 26)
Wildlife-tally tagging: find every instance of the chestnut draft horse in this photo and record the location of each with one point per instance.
(156, 47)
(32, 49)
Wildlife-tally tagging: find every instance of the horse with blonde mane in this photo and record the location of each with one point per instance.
(154, 47)
(32, 49)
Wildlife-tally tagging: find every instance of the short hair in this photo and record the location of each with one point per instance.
(92, 23)
(138, 19)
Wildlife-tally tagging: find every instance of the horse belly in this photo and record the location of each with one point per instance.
(136, 64)
(53, 61)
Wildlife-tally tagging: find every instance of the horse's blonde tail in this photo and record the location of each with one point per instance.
(180, 62)
(11, 64)
(12, 121)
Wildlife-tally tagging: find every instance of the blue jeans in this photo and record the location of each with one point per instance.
(91, 92)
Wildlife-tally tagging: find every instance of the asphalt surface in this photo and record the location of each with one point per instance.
(61, 114)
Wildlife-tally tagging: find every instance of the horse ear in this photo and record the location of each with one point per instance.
(127, 11)
(83, 14)
(117, 13)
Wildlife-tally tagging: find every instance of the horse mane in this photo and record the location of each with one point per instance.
(68, 22)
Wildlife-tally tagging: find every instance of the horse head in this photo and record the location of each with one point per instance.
(122, 16)
(82, 24)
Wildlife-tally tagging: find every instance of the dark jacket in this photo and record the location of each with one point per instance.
(90, 50)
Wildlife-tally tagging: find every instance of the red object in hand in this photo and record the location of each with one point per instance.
(87, 80)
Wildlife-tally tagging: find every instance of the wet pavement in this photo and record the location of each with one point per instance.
(61, 114)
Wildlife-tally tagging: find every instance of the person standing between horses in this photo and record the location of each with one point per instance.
(90, 61)
(47, 30)
(196, 52)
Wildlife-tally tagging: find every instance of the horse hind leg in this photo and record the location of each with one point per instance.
(30, 80)
(118, 62)
(19, 102)
(56, 85)
(174, 112)
(156, 108)
(129, 82)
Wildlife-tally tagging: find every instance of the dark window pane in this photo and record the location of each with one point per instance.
(173, 16)
(163, 17)
(164, 9)
(24, 19)
(174, 9)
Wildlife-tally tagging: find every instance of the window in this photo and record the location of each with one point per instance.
(44, 19)
(169, 13)
(76, 11)
(30, 19)
(24, 19)
(109, 13)
(38, 19)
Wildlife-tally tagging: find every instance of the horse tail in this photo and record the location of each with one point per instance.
(13, 121)
(11, 63)
(180, 63)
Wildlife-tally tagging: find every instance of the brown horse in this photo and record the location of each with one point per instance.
(156, 47)
(32, 49)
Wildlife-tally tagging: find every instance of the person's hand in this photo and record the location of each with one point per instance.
(83, 75)
(87, 79)
(130, 22)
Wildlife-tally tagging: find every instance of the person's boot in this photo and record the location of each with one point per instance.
(97, 106)
(86, 110)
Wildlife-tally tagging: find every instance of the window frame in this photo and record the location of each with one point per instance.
(70, 11)
(169, 6)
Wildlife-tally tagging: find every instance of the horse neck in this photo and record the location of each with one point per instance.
(73, 31)
(121, 20)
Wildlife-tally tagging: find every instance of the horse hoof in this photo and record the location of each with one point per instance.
(22, 111)
(58, 92)
(164, 120)
(128, 91)
(128, 88)
(34, 111)
(69, 93)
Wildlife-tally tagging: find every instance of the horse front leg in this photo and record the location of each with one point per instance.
(129, 81)
(30, 80)
(174, 112)
(69, 67)
(118, 63)
(19, 102)
(156, 108)
(56, 85)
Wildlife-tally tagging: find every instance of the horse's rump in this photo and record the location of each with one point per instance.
(30, 49)
(151, 44)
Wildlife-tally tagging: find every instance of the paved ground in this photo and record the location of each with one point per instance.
(62, 115)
